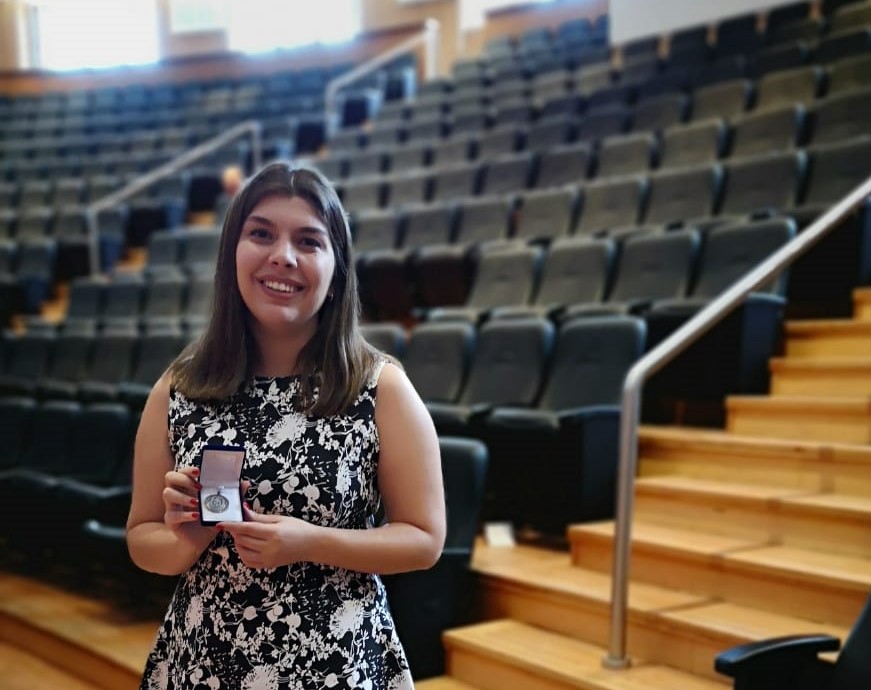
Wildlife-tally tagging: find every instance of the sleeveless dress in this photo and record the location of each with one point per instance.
(304, 626)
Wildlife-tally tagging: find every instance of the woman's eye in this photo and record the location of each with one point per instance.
(258, 233)
(311, 242)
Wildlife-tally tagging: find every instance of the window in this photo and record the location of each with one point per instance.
(197, 15)
(94, 33)
(257, 26)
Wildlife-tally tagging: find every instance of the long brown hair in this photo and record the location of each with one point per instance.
(337, 360)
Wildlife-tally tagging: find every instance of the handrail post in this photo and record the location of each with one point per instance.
(653, 361)
(92, 210)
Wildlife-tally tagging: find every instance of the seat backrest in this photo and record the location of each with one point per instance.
(456, 182)
(590, 361)
(843, 44)
(731, 251)
(31, 355)
(86, 296)
(628, 154)
(505, 276)
(511, 173)
(546, 214)
(841, 117)
(697, 143)
(164, 296)
(655, 267)
(437, 359)
(576, 271)
(509, 362)
(483, 218)
(783, 88)
(101, 440)
(683, 193)
(605, 122)
(850, 74)
(429, 224)
(71, 357)
(53, 424)
(464, 468)
(835, 169)
(775, 130)
(725, 99)
(375, 230)
(610, 204)
(551, 132)
(112, 358)
(789, 55)
(763, 183)
(200, 248)
(390, 338)
(563, 165)
(154, 354)
(16, 419)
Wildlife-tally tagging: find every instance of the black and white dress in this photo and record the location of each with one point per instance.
(299, 627)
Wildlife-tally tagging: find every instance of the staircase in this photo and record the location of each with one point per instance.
(760, 530)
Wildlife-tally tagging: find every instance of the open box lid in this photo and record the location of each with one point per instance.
(221, 465)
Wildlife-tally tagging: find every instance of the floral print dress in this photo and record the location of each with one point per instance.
(304, 626)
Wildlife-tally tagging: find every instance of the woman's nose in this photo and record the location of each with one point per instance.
(283, 254)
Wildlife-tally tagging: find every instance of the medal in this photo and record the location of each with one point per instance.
(216, 503)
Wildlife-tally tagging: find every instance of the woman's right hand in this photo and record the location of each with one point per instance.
(181, 508)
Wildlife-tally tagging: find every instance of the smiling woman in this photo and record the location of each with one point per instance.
(332, 433)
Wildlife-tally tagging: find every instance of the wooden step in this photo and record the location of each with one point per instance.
(837, 378)
(845, 420)
(827, 339)
(442, 683)
(827, 522)
(715, 454)
(810, 584)
(507, 654)
(571, 601)
(23, 671)
(862, 304)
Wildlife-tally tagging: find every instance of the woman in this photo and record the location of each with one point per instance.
(289, 598)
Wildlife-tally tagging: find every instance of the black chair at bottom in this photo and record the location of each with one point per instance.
(425, 603)
(792, 662)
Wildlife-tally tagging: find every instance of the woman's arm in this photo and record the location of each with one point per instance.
(410, 479)
(163, 531)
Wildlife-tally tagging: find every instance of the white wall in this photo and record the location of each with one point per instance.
(631, 19)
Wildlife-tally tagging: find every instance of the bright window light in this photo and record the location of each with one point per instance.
(197, 15)
(258, 26)
(95, 33)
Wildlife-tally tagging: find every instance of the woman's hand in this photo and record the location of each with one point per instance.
(270, 541)
(181, 507)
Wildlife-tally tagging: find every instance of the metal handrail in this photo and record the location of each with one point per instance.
(429, 36)
(136, 185)
(661, 355)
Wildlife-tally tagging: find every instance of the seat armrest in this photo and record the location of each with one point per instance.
(772, 653)
(579, 415)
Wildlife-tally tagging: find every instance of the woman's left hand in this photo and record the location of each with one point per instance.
(269, 541)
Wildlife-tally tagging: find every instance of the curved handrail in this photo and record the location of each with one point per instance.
(661, 355)
(136, 185)
(429, 36)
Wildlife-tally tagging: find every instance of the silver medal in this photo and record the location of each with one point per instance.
(216, 503)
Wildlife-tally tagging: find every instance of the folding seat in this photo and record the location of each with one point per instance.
(507, 368)
(722, 100)
(389, 338)
(455, 150)
(842, 45)
(501, 141)
(332, 165)
(386, 272)
(70, 228)
(68, 192)
(443, 271)
(122, 299)
(781, 56)
(546, 214)
(809, 30)
(642, 48)
(470, 120)
(547, 85)
(111, 363)
(34, 223)
(346, 140)
(848, 75)
(638, 71)
(681, 195)
(840, 117)
(153, 356)
(830, 270)
(375, 230)
(34, 193)
(550, 133)
(426, 129)
(199, 249)
(590, 78)
(504, 276)
(606, 122)
(649, 268)
(609, 99)
(763, 186)
(163, 299)
(362, 194)
(509, 173)
(411, 187)
(455, 182)
(518, 112)
(566, 106)
(16, 420)
(67, 367)
(437, 359)
(739, 35)
(696, 143)
(85, 299)
(164, 249)
(674, 81)
(655, 114)
(102, 185)
(689, 46)
(778, 16)
(783, 88)
(410, 156)
(626, 154)
(849, 17)
(745, 340)
(570, 438)
(112, 225)
(576, 270)
(26, 363)
(34, 272)
(769, 131)
(199, 298)
(611, 204)
(366, 163)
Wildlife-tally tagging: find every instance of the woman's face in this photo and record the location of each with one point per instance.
(284, 266)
